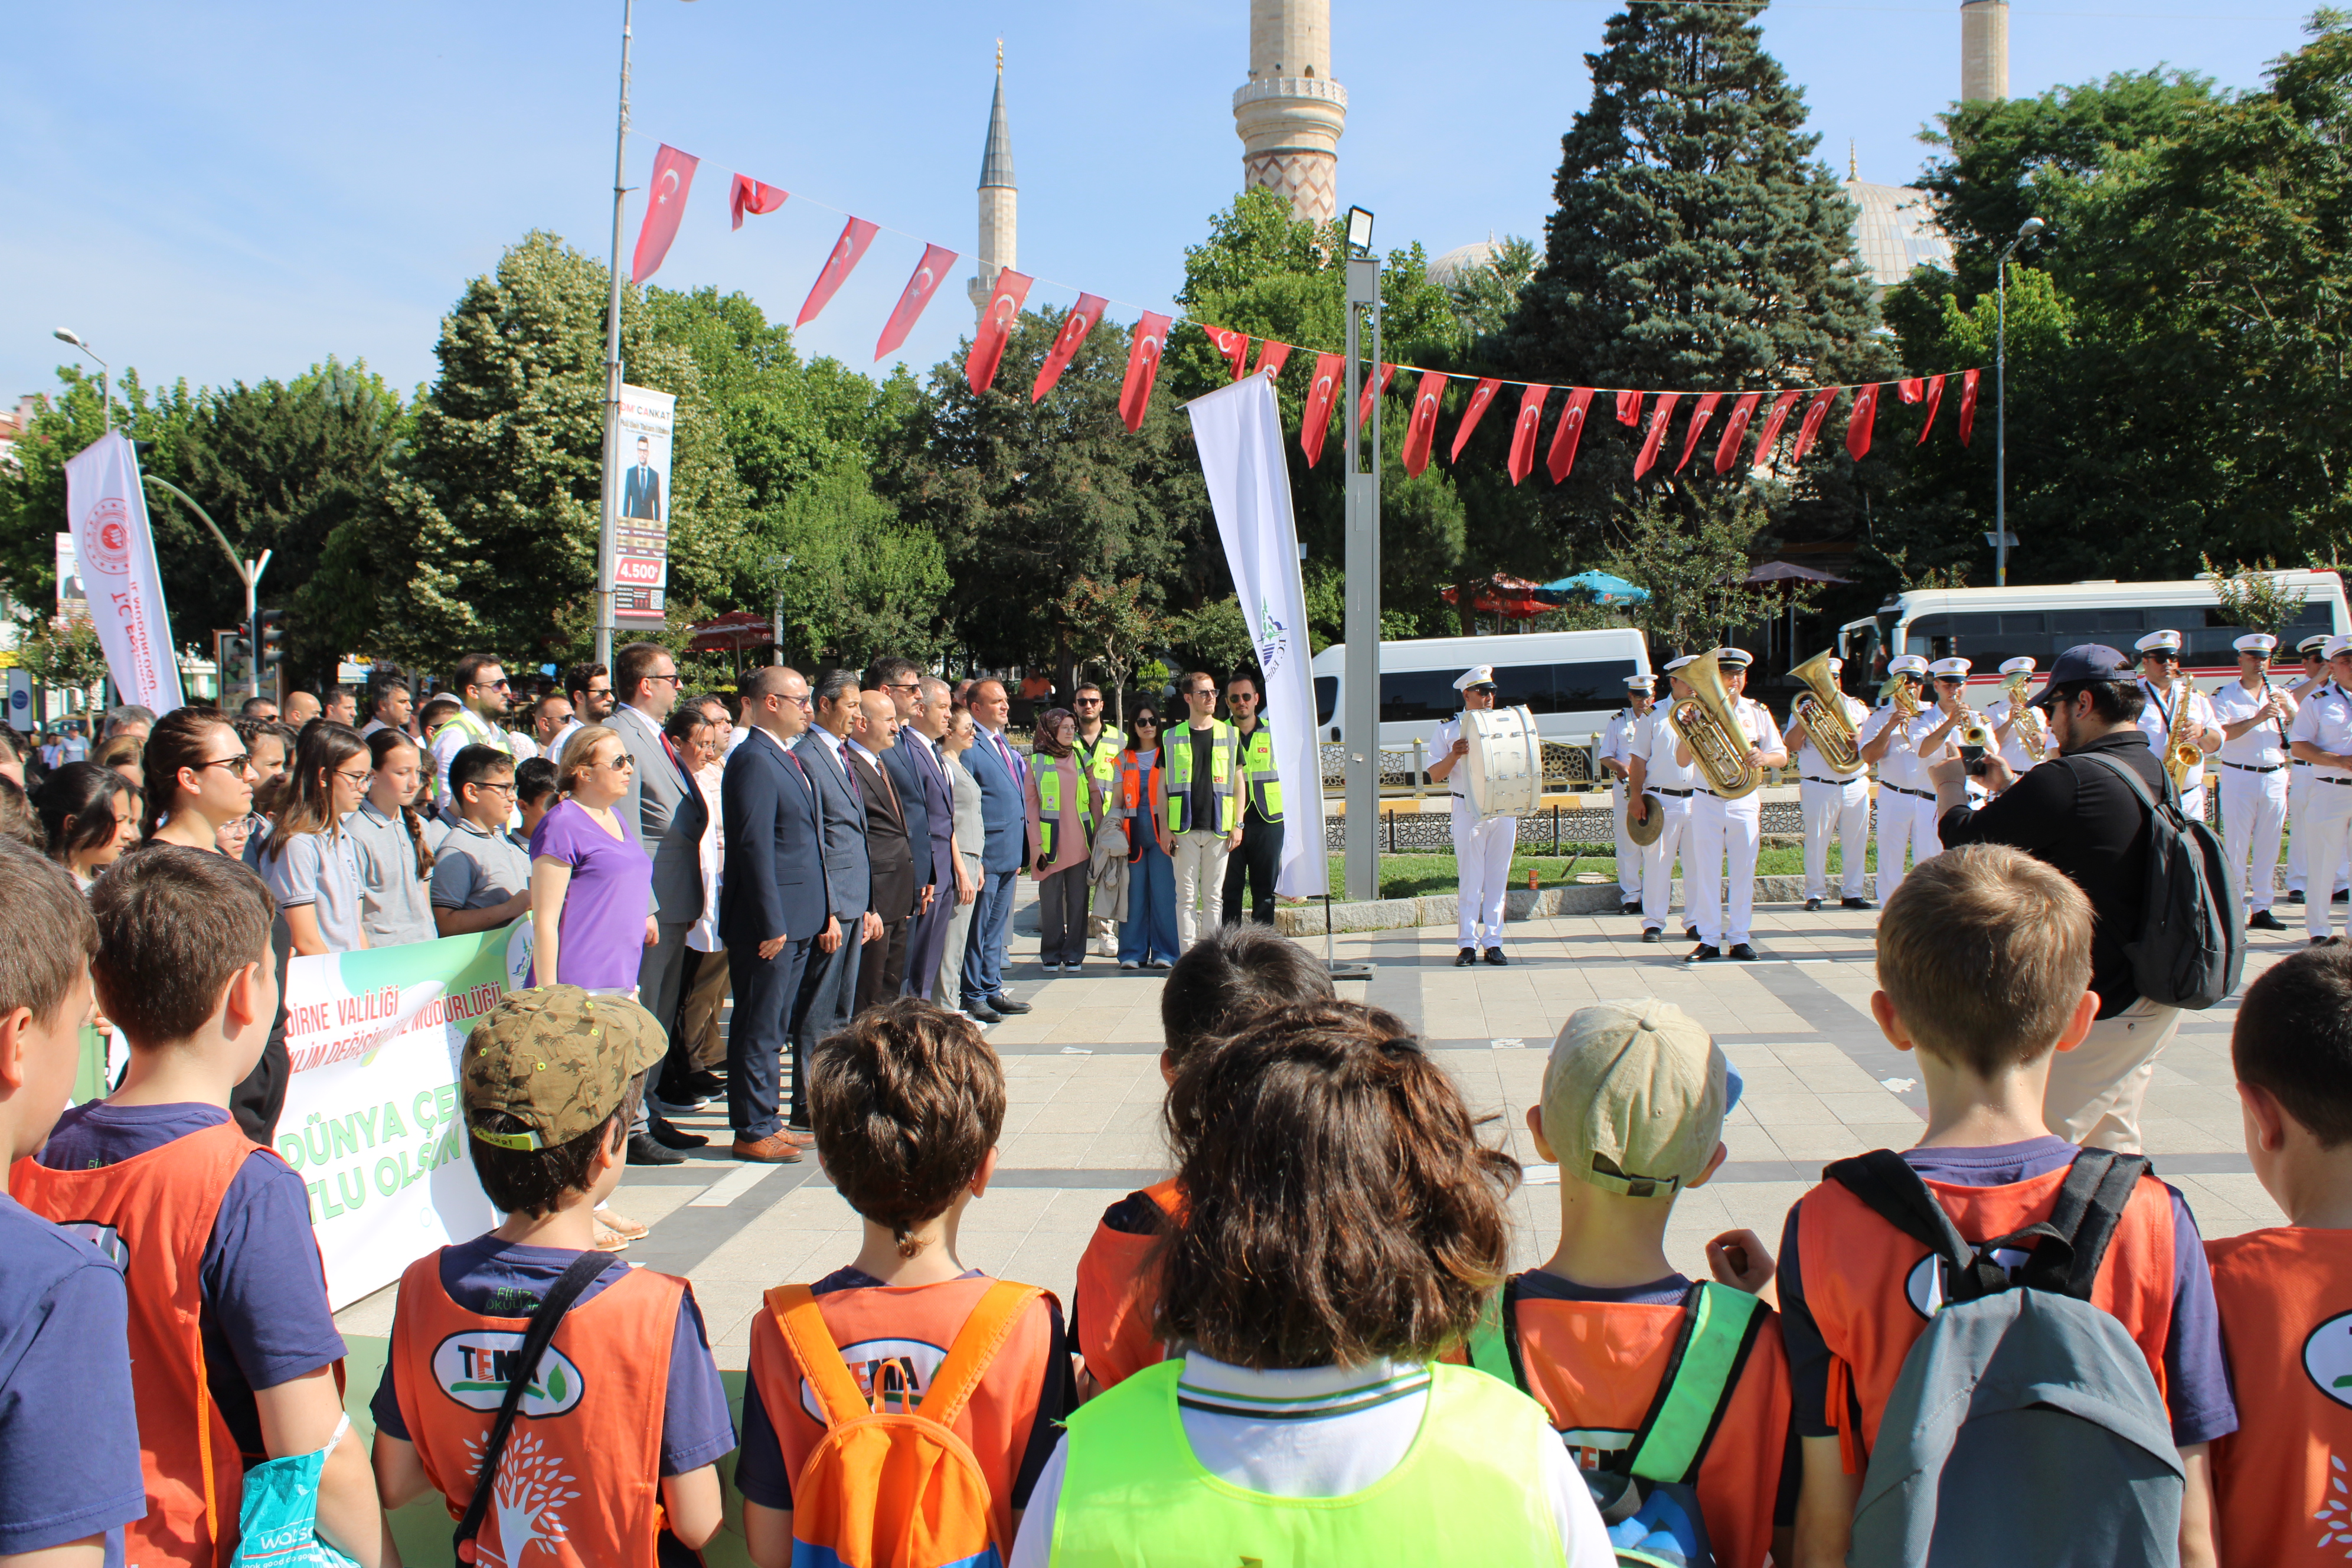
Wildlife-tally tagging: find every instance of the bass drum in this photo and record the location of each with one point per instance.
(1505, 760)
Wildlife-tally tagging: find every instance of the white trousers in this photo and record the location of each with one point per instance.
(1658, 863)
(1200, 876)
(2254, 810)
(1629, 853)
(2326, 825)
(1839, 811)
(1481, 869)
(1904, 822)
(1721, 829)
(2095, 1090)
(2298, 801)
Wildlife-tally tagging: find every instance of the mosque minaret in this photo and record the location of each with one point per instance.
(1290, 113)
(1984, 50)
(1000, 207)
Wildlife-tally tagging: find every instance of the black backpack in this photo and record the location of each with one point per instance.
(2192, 949)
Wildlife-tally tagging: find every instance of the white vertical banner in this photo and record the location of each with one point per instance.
(119, 578)
(1239, 431)
(641, 534)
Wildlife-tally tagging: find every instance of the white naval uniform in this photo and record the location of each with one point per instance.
(1668, 783)
(1835, 806)
(2299, 791)
(2156, 723)
(1906, 802)
(1482, 850)
(2012, 749)
(1617, 746)
(2325, 720)
(1734, 828)
(2254, 793)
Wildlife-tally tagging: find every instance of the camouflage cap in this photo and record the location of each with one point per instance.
(556, 1059)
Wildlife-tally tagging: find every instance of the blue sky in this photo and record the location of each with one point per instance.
(232, 192)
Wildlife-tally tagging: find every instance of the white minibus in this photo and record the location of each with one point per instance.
(1571, 681)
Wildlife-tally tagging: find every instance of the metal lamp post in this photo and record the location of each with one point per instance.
(1360, 720)
(105, 398)
(248, 573)
(2025, 231)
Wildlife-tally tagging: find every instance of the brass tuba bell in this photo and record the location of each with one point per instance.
(1824, 715)
(1707, 720)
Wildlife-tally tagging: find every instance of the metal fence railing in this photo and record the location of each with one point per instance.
(1404, 769)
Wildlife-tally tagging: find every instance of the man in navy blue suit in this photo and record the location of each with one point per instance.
(929, 806)
(1003, 776)
(829, 987)
(774, 905)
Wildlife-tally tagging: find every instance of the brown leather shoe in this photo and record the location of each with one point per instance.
(775, 1149)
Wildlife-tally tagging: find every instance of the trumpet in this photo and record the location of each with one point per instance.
(2024, 721)
(1821, 709)
(1709, 721)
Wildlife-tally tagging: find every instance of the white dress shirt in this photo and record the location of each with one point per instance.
(2265, 745)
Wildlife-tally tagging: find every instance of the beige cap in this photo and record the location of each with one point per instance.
(557, 1059)
(1634, 1098)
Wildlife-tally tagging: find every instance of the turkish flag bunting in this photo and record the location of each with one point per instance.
(1699, 417)
(928, 273)
(1908, 390)
(1772, 422)
(1858, 427)
(1317, 418)
(1150, 342)
(1480, 395)
(1935, 401)
(1735, 430)
(1523, 432)
(1075, 328)
(1968, 405)
(1570, 430)
(995, 327)
(673, 177)
(1373, 389)
(1629, 408)
(1272, 356)
(748, 195)
(1233, 345)
(1421, 429)
(847, 252)
(1661, 412)
(1815, 412)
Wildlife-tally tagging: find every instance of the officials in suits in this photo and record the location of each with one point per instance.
(774, 905)
(902, 680)
(641, 486)
(829, 986)
(923, 780)
(1004, 780)
(889, 848)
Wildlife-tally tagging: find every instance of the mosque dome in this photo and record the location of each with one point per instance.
(1448, 270)
(1895, 231)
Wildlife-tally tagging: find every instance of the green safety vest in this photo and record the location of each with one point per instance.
(1103, 763)
(1049, 805)
(1176, 756)
(1467, 1493)
(1257, 771)
(478, 732)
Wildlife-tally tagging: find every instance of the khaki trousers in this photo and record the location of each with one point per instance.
(2096, 1089)
(704, 998)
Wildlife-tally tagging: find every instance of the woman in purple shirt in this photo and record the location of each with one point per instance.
(591, 880)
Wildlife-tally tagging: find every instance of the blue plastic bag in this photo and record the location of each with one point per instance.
(279, 1523)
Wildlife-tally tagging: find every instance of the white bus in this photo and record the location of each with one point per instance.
(1987, 625)
(1571, 681)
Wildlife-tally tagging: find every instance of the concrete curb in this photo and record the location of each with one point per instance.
(1442, 909)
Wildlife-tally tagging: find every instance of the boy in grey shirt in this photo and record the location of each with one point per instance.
(481, 877)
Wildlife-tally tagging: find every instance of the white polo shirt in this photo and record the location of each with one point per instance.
(2156, 720)
(1901, 766)
(2325, 721)
(1810, 763)
(1653, 741)
(2265, 745)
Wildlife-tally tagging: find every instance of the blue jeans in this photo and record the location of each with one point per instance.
(991, 924)
(1150, 934)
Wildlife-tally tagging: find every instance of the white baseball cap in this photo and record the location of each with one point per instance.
(2022, 665)
(2255, 642)
(1476, 675)
(2158, 642)
(1951, 669)
(1907, 664)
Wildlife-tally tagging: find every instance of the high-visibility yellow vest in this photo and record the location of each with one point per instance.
(1049, 803)
(1176, 750)
(1257, 771)
(1103, 763)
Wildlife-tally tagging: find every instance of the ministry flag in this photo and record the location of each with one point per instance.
(116, 552)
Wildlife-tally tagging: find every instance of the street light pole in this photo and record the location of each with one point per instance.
(2026, 231)
(609, 511)
(105, 396)
(1360, 716)
(248, 573)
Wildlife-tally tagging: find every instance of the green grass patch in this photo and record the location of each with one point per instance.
(1430, 876)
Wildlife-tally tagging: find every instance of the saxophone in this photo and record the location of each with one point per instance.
(2182, 755)
(2024, 721)
(1824, 715)
(1709, 721)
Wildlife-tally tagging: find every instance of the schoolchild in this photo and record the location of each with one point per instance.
(69, 1473)
(2285, 1292)
(1341, 1228)
(535, 793)
(1220, 982)
(233, 1348)
(481, 877)
(906, 1104)
(625, 1409)
(1984, 957)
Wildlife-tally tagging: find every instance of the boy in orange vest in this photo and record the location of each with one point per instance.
(69, 1476)
(1984, 955)
(2286, 1293)
(622, 1432)
(906, 1104)
(233, 1348)
(1219, 983)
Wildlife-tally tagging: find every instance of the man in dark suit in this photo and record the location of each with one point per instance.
(641, 486)
(774, 906)
(1003, 776)
(830, 985)
(916, 768)
(889, 848)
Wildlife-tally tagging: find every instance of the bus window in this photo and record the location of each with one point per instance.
(2123, 620)
(1597, 683)
(1525, 686)
(1326, 698)
(1930, 636)
(1418, 696)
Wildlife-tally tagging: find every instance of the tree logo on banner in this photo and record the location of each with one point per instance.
(1273, 640)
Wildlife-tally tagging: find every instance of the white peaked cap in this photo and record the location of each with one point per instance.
(2157, 642)
(2022, 665)
(2255, 642)
(1951, 669)
(1907, 664)
(1476, 675)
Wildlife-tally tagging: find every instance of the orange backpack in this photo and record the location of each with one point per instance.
(894, 1488)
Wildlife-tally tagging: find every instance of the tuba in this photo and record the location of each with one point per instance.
(2025, 722)
(1709, 722)
(1824, 715)
(1898, 692)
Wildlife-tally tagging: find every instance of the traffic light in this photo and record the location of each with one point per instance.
(268, 640)
(233, 656)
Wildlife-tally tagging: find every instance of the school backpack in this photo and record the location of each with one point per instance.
(2025, 1426)
(894, 1488)
(2191, 946)
(1647, 1491)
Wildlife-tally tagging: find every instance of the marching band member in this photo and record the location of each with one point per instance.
(2300, 789)
(1834, 804)
(1951, 678)
(2255, 718)
(1656, 782)
(1482, 850)
(2166, 688)
(2014, 721)
(1616, 751)
(2321, 736)
(1906, 802)
(1720, 826)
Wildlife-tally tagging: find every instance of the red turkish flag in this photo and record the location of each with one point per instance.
(1143, 353)
(1735, 430)
(1317, 419)
(1772, 422)
(1421, 429)
(1480, 395)
(673, 178)
(1858, 426)
(1661, 412)
(1815, 412)
(1629, 408)
(847, 252)
(1908, 390)
(1075, 328)
(1373, 389)
(928, 273)
(1968, 405)
(748, 195)
(1272, 356)
(1233, 345)
(1570, 430)
(1699, 417)
(1935, 401)
(995, 327)
(1523, 432)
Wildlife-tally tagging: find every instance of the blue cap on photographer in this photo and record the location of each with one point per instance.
(2086, 661)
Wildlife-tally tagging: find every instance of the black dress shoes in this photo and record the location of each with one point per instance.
(1465, 958)
(1006, 1005)
(1702, 954)
(1857, 904)
(1495, 956)
(1813, 906)
(981, 1012)
(669, 1135)
(644, 1150)
(1650, 933)
(1742, 951)
(2263, 920)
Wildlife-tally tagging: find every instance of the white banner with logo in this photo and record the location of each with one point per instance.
(117, 556)
(641, 534)
(1239, 431)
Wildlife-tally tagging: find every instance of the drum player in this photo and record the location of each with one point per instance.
(1732, 828)
(1482, 850)
(1655, 781)
(1616, 754)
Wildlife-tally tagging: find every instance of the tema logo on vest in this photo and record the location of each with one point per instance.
(474, 1368)
(2327, 1358)
(1923, 1286)
(900, 1366)
(105, 1238)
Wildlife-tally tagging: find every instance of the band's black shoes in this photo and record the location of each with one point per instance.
(1465, 958)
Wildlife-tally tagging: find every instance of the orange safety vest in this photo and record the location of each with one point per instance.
(1137, 791)
(581, 1477)
(908, 1327)
(1115, 1298)
(153, 1213)
(2280, 1479)
(1871, 1286)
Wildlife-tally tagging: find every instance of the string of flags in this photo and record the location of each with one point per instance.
(673, 180)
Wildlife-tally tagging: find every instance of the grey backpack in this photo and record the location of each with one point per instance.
(2190, 948)
(2025, 1428)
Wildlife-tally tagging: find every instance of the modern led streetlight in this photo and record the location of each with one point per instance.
(2025, 231)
